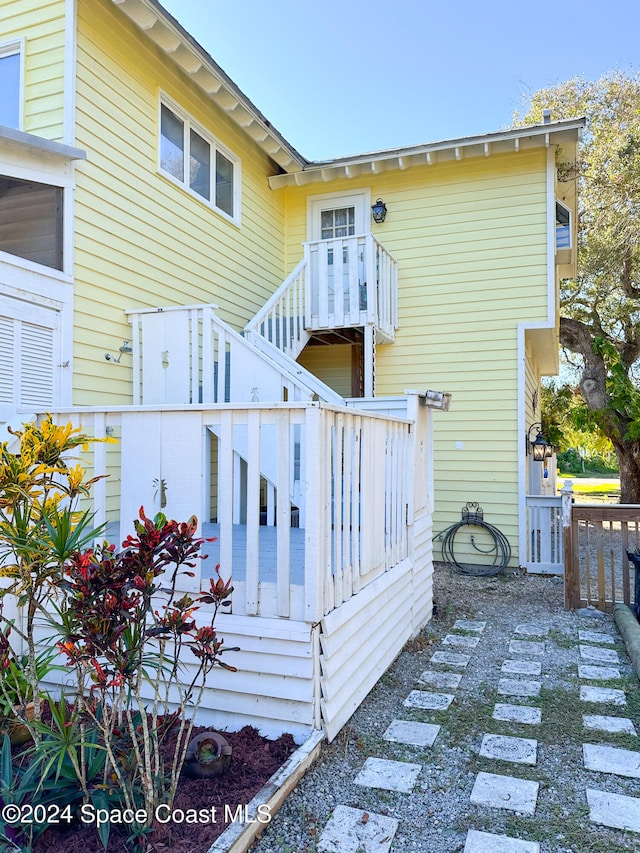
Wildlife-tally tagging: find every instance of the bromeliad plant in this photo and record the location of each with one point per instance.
(125, 630)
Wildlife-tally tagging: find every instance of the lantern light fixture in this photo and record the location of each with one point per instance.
(538, 447)
(379, 211)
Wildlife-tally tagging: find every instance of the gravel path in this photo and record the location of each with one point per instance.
(437, 812)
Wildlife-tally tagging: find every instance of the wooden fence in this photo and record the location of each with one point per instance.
(596, 539)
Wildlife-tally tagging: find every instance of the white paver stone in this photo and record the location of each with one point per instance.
(596, 637)
(609, 724)
(598, 654)
(461, 640)
(469, 625)
(388, 775)
(515, 687)
(413, 734)
(505, 792)
(517, 714)
(606, 695)
(614, 810)
(424, 701)
(356, 831)
(450, 659)
(487, 842)
(441, 679)
(520, 750)
(597, 673)
(532, 630)
(522, 667)
(610, 759)
(525, 647)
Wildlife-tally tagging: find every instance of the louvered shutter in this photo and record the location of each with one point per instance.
(36, 366)
(7, 348)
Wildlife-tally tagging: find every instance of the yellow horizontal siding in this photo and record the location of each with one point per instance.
(470, 241)
(42, 25)
(331, 364)
(141, 239)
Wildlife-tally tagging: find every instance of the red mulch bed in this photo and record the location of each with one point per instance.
(253, 761)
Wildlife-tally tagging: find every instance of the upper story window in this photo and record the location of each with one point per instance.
(563, 226)
(198, 161)
(10, 84)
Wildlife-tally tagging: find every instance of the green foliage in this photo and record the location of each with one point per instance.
(600, 307)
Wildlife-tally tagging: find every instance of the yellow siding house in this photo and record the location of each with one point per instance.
(270, 338)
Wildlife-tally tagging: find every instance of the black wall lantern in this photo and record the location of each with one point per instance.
(540, 447)
(379, 211)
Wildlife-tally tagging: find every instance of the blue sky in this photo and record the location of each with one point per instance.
(347, 76)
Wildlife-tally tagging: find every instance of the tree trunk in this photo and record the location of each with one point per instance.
(629, 465)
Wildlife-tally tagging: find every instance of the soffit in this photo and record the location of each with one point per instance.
(180, 47)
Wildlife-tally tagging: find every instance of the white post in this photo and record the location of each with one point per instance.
(369, 344)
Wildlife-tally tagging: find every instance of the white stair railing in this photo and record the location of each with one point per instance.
(281, 320)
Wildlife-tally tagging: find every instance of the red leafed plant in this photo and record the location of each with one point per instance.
(140, 660)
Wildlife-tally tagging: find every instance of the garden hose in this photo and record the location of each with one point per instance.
(499, 550)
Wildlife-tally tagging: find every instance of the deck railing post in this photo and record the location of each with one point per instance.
(571, 575)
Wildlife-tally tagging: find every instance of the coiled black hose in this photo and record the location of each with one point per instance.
(499, 551)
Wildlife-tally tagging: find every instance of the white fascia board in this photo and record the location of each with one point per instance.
(452, 149)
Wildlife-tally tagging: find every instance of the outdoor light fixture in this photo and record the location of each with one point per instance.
(379, 211)
(539, 446)
(125, 349)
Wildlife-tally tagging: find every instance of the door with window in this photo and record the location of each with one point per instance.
(337, 244)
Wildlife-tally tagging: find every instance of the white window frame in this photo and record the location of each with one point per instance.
(359, 199)
(13, 48)
(216, 146)
(567, 210)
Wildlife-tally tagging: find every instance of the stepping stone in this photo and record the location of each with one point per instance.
(450, 658)
(413, 734)
(606, 695)
(598, 654)
(517, 714)
(609, 724)
(469, 625)
(356, 831)
(520, 750)
(487, 842)
(505, 792)
(610, 759)
(424, 701)
(441, 679)
(596, 637)
(514, 687)
(388, 775)
(522, 667)
(614, 810)
(532, 630)
(461, 640)
(603, 673)
(525, 647)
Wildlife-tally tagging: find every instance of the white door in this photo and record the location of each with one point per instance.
(337, 225)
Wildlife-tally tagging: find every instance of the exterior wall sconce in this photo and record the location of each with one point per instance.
(379, 211)
(125, 349)
(540, 448)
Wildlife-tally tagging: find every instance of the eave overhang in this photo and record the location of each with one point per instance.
(182, 49)
(450, 150)
(21, 141)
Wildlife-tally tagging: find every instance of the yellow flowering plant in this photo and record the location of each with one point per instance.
(41, 526)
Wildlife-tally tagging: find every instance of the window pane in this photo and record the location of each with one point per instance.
(10, 90)
(224, 183)
(172, 144)
(200, 166)
(31, 221)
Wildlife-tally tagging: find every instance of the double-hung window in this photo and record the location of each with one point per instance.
(11, 85)
(198, 161)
